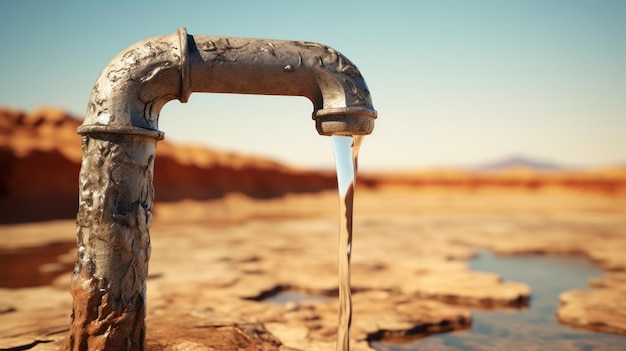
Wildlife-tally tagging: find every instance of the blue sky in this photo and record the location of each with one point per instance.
(455, 83)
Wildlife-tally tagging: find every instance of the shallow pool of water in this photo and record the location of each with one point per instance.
(285, 297)
(533, 328)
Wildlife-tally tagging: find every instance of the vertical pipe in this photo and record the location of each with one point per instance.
(108, 284)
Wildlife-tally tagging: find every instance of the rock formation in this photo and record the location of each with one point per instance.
(40, 157)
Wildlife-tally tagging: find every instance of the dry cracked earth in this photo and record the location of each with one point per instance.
(214, 264)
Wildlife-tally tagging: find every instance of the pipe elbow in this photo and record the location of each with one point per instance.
(130, 92)
(346, 106)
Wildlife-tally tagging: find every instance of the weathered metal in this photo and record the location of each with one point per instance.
(120, 133)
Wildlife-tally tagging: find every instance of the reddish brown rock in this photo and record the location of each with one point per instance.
(40, 157)
(45, 142)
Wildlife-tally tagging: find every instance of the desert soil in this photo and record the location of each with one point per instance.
(213, 262)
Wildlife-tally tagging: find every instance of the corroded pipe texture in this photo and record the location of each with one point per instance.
(109, 280)
(120, 133)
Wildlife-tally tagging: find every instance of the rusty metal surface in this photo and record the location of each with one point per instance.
(120, 133)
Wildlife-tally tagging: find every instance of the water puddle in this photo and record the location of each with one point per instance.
(290, 297)
(533, 328)
(346, 149)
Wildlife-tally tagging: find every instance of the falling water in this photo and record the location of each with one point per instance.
(346, 149)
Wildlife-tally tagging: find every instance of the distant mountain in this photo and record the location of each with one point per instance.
(520, 162)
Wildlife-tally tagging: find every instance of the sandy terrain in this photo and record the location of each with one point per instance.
(214, 261)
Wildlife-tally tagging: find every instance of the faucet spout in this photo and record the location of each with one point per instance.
(133, 88)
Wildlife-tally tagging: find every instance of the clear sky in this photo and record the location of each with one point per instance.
(454, 82)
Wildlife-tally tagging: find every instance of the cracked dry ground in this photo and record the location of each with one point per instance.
(213, 262)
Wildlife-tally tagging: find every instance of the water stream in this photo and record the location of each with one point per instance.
(346, 149)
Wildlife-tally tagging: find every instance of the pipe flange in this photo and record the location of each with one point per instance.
(123, 130)
(185, 77)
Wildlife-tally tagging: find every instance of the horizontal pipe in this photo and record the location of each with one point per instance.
(133, 88)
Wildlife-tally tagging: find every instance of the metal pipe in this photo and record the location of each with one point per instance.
(133, 88)
(120, 133)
